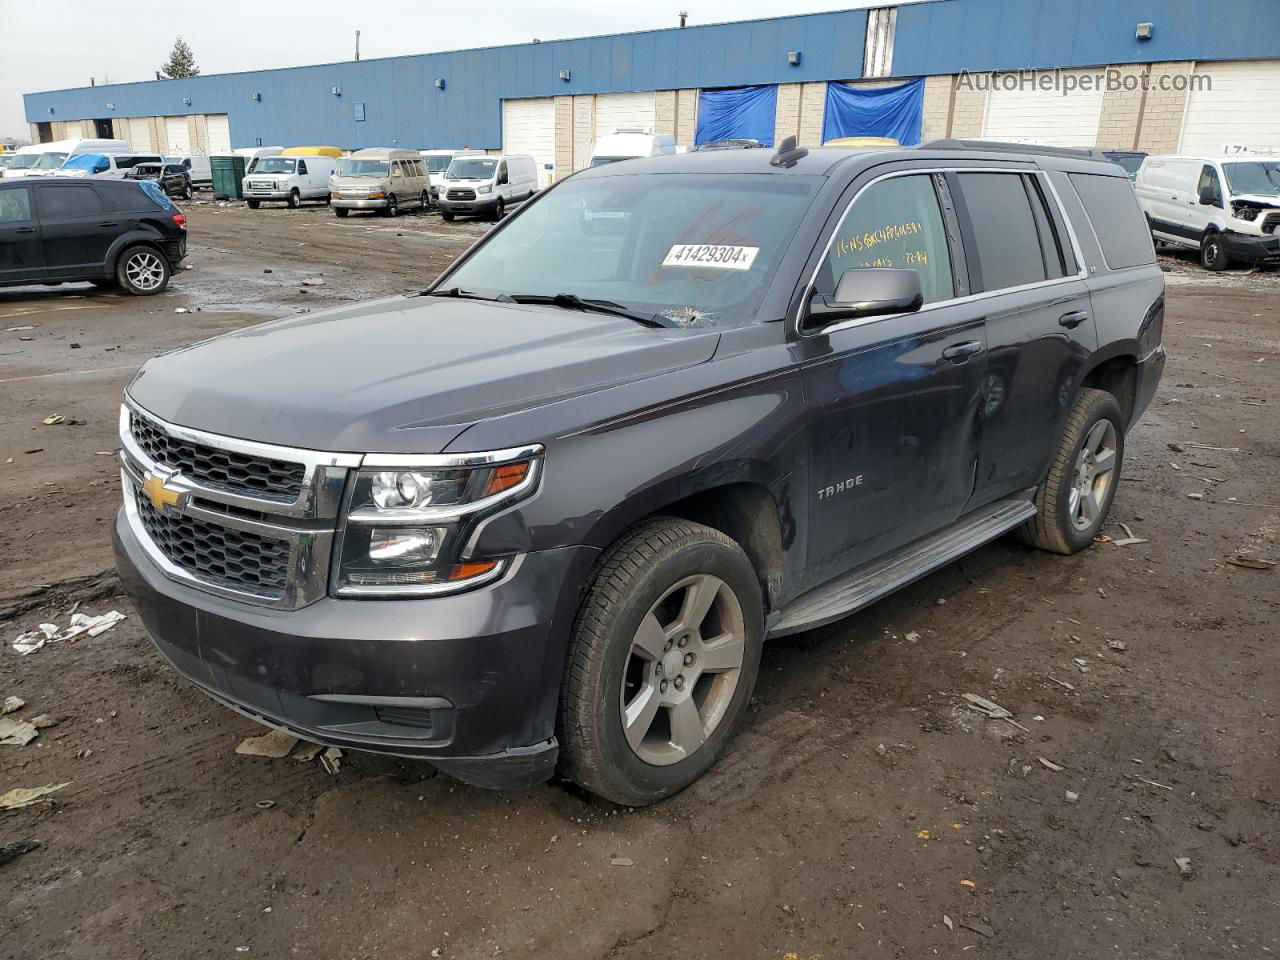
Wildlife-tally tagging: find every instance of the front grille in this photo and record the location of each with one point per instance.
(226, 557)
(234, 472)
(1270, 222)
(457, 194)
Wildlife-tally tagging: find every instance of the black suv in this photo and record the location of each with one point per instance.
(109, 232)
(545, 514)
(173, 178)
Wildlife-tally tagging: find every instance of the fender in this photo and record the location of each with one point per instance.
(138, 233)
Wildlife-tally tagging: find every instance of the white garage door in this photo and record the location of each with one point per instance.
(219, 134)
(140, 135)
(175, 131)
(625, 111)
(1239, 110)
(529, 126)
(1027, 114)
(75, 130)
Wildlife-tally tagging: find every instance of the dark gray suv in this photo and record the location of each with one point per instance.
(543, 515)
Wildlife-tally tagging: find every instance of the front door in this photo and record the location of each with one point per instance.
(1040, 327)
(894, 400)
(21, 257)
(75, 230)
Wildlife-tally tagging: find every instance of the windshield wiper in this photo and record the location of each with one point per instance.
(460, 294)
(571, 301)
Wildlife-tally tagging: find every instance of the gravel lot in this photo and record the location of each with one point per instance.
(865, 811)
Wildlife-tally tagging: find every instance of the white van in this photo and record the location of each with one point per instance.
(438, 161)
(1226, 207)
(105, 166)
(486, 186)
(41, 159)
(379, 178)
(629, 144)
(197, 166)
(291, 179)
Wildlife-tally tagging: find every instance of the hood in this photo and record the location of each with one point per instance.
(402, 375)
(1256, 199)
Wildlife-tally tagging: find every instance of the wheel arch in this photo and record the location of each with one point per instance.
(134, 238)
(1117, 374)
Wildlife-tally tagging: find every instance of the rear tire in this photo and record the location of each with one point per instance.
(424, 202)
(186, 192)
(1213, 254)
(142, 271)
(664, 655)
(1075, 496)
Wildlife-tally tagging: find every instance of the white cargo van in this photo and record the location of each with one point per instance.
(438, 161)
(197, 166)
(486, 186)
(629, 144)
(1227, 207)
(291, 179)
(104, 166)
(41, 159)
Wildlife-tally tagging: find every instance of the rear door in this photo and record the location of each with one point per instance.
(76, 232)
(21, 255)
(894, 400)
(1027, 280)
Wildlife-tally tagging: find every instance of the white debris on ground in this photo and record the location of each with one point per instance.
(33, 640)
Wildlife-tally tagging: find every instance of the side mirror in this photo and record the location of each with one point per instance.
(1209, 197)
(868, 292)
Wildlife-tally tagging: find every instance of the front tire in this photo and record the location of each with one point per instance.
(295, 200)
(341, 211)
(1075, 496)
(446, 216)
(665, 653)
(254, 204)
(499, 209)
(1213, 254)
(142, 271)
(392, 209)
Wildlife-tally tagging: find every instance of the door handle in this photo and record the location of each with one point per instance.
(960, 352)
(25, 230)
(1073, 319)
(109, 223)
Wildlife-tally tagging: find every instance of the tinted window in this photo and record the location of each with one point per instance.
(15, 205)
(1209, 181)
(69, 201)
(1117, 219)
(302, 166)
(893, 223)
(1004, 249)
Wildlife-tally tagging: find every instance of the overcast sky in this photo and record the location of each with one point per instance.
(54, 45)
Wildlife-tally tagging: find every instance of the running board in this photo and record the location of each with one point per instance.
(872, 581)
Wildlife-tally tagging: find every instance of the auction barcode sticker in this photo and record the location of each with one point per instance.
(710, 255)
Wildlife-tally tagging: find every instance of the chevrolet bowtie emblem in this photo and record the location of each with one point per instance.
(160, 495)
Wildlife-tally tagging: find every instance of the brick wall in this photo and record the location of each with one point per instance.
(1121, 108)
(969, 111)
(787, 117)
(686, 116)
(584, 130)
(1163, 110)
(564, 136)
(664, 113)
(937, 105)
(813, 103)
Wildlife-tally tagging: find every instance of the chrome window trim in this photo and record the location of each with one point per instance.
(810, 287)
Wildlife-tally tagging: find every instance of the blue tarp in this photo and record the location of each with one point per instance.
(747, 112)
(870, 112)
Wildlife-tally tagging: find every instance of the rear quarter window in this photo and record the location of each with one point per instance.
(136, 196)
(1117, 219)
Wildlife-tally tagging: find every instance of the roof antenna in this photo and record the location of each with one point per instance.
(788, 154)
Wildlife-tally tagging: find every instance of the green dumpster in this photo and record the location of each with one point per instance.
(228, 176)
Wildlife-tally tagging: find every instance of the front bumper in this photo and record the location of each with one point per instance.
(469, 682)
(266, 194)
(357, 203)
(478, 205)
(1249, 248)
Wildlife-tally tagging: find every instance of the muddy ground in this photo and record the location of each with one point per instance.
(863, 812)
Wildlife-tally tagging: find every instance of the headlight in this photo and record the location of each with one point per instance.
(1246, 213)
(485, 189)
(407, 526)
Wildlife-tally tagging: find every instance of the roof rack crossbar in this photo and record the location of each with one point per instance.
(996, 146)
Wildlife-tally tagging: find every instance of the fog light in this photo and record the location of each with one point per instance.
(405, 546)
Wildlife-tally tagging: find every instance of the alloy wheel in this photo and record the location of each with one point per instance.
(682, 669)
(1093, 475)
(145, 271)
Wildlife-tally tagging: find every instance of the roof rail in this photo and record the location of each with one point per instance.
(996, 146)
